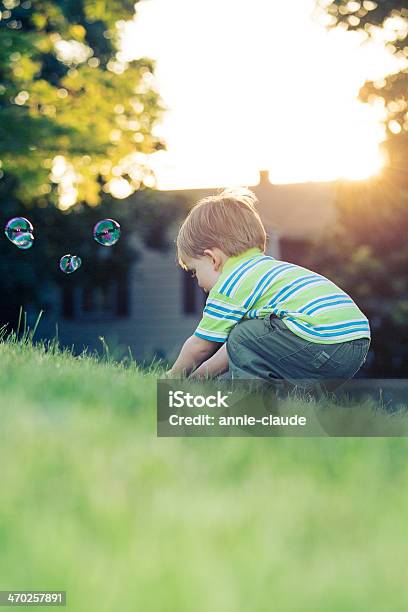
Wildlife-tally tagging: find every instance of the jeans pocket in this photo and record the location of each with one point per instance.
(345, 359)
(328, 360)
(323, 359)
(304, 361)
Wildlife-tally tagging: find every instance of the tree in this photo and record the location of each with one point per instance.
(76, 121)
(74, 118)
(368, 16)
(367, 251)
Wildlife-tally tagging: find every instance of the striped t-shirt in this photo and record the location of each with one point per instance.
(253, 285)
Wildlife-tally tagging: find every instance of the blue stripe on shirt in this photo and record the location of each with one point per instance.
(251, 265)
(334, 296)
(269, 276)
(219, 315)
(301, 283)
(234, 273)
(354, 329)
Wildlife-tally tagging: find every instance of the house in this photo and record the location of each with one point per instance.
(164, 303)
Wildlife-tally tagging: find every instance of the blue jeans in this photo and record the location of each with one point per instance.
(266, 349)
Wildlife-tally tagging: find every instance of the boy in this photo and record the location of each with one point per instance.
(263, 318)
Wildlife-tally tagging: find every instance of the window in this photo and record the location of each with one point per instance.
(102, 300)
(67, 302)
(98, 299)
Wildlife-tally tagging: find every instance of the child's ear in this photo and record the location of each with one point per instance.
(213, 255)
(216, 257)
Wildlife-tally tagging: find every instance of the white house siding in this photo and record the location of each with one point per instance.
(157, 304)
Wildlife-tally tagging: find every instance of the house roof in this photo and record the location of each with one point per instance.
(299, 210)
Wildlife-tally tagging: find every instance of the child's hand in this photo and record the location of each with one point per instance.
(172, 374)
(215, 365)
(194, 351)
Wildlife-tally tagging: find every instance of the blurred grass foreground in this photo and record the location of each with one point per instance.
(92, 502)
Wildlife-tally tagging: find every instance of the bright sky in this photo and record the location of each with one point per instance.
(253, 84)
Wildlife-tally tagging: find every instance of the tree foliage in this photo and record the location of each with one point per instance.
(368, 16)
(66, 93)
(74, 118)
(367, 251)
(376, 212)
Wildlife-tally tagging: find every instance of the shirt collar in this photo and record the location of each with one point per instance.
(231, 262)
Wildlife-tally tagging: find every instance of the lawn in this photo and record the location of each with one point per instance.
(92, 502)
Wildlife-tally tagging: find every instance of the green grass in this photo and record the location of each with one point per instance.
(92, 502)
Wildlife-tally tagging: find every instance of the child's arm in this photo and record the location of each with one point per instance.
(217, 364)
(195, 350)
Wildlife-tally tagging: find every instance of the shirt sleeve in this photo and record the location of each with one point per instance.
(220, 315)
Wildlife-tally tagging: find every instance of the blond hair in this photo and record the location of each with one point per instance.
(227, 220)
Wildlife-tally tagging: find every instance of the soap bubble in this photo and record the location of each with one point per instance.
(70, 263)
(107, 232)
(24, 241)
(20, 232)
